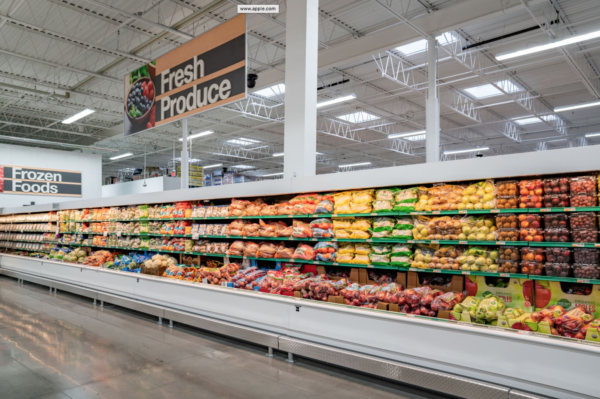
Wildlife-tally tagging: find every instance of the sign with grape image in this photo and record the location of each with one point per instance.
(206, 72)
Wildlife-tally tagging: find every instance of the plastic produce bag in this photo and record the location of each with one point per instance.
(346, 248)
(321, 228)
(301, 230)
(570, 323)
(343, 233)
(284, 252)
(403, 229)
(447, 301)
(380, 259)
(383, 206)
(362, 224)
(405, 200)
(361, 259)
(251, 249)
(479, 259)
(481, 195)
(489, 310)
(305, 252)
(266, 250)
(476, 228)
(324, 206)
(325, 251)
(361, 248)
(385, 194)
(382, 227)
(401, 255)
(359, 234)
(342, 224)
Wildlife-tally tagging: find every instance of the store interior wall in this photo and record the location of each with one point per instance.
(142, 186)
(90, 166)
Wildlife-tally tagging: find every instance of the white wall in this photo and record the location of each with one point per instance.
(153, 185)
(89, 165)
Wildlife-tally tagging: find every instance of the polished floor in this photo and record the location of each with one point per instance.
(63, 347)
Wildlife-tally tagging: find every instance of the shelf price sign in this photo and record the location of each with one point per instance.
(206, 72)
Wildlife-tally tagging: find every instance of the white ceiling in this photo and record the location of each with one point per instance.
(60, 56)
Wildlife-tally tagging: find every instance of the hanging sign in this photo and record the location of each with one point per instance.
(206, 72)
(39, 181)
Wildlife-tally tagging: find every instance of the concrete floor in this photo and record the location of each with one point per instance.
(63, 347)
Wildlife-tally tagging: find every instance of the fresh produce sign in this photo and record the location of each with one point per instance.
(206, 72)
(39, 181)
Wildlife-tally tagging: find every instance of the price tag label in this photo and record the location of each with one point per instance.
(434, 241)
(494, 210)
(118, 234)
(290, 216)
(105, 234)
(463, 242)
(334, 215)
(578, 245)
(569, 209)
(204, 280)
(583, 280)
(462, 212)
(466, 273)
(504, 275)
(370, 266)
(226, 260)
(315, 216)
(195, 236)
(545, 210)
(369, 240)
(316, 262)
(223, 283)
(413, 269)
(334, 239)
(500, 243)
(373, 214)
(436, 271)
(597, 245)
(410, 315)
(313, 239)
(435, 212)
(244, 238)
(522, 332)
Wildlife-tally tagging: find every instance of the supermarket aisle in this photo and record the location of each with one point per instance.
(62, 347)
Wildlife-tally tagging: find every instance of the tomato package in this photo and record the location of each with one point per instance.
(321, 228)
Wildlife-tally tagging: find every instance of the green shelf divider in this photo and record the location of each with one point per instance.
(564, 244)
(565, 279)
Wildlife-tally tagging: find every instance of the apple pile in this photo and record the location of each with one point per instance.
(559, 185)
(557, 235)
(558, 269)
(478, 229)
(419, 301)
(531, 193)
(583, 185)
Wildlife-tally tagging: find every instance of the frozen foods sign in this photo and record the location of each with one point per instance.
(204, 73)
(39, 181)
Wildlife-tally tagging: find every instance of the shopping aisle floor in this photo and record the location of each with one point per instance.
(63, 347)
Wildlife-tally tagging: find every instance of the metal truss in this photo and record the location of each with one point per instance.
(347, 131)
(541, 146)
(393, 68)
(578, 142)
(482, 65)
(260, 108)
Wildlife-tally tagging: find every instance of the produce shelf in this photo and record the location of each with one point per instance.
(565, 244)
(456, 242)
(565, 279)
(462, 272)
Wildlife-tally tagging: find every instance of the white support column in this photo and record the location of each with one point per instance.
(301, 57)
(184, 155)
(432, 105)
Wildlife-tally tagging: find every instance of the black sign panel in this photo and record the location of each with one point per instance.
(39, 181)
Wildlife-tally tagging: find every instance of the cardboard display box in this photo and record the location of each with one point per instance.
(457, 284)
(354, 274)
(365, 280)
(518, 294)
(548, 293)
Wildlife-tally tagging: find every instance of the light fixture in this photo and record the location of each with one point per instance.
(559, 43)
(213, 166)
(271, 91)
(190, 160)
(354, 164)
(336, 100)
(396, 135)
(421, 45)
(128, 154)
(242, 141)
(278, 154)
(272, 174)
(461, 151)
(577, 106)
(358, 117)
(528, 121)
(78, 116)
(592, 134)
(196, 135)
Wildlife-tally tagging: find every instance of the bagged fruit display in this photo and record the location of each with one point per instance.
(283, 230)
(583, 200)
(556, 200)
(250, 230)
(382, 227)
(267, 229)
(489, 309)
(401, 255)
(556, 185)
(470, 304)
(438, 228)
(386, 194)
(325, 251)
(422, 256)
(582, 221)
(403, 229)
(382, 206)
(325, 205)
(570, 323)
(390, 293)
(362, 224)
(266, 250)
(508, 194)
(442, 198)
(583, 185)
(304, 252)
(284, 208)
(405, 200)
(321, 228)
(355, 294)
(342, 224)
(447, 301)
(301, 230)
(551, 221)
(479, 259)
(284, 252)
(475, 228)
(481, 195)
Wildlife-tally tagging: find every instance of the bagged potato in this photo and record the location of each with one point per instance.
(383, 206)
(363, 196)
(359, 234)
(345, 248)
(362, 224)
(406, 200)
(385, 194)
(342, 224)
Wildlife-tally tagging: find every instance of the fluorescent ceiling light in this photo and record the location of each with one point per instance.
(355, 164)
(419, 137)
(213, 166)
(577, 106)
(189, 159)
(483, 91)
(195, 135)
(272, 174)
(471, 150)
(242, 141)
(336, 100)
(319, 153)
(78, 116)
(242, 167)
(358, 117)
(271, 91)
(592, 134)
(549, 46)
(128, 154)
(421, 45)
(528, 121)
(552, 141)
(396, 135)
(278, 154)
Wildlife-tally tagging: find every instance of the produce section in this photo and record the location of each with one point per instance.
(394, 249)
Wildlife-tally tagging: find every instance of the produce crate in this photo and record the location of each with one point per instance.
(548, 293)
(518, 294)
(354, 274)
(457, 284)
(365, 280)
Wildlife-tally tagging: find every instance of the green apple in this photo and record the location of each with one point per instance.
(466, 230)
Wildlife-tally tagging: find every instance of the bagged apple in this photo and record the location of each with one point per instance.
(469, 304)
(481, 195)
(571, 323)
(475, 228)
(447, 301)
(489, 309)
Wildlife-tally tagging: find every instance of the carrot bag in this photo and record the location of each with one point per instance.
(301, 230)
(305, 252)
(322, 228)
(326, 251)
